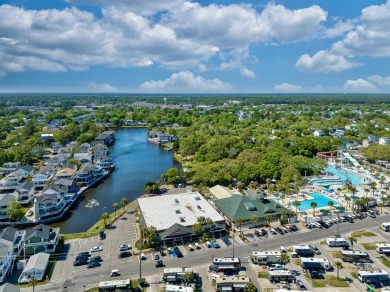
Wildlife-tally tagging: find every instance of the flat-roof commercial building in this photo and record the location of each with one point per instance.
(174, 215)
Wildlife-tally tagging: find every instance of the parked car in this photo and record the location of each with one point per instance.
(315, 249)
(115, 273)
(300, 285)
(143, 256)
(197, 245)
(159, 264)
(162, 253)
(208, 244)
(123, 247)
(190, 247)
(316, 275)
(79, 257)
(93, 264)
(156, 256)
(96, 249)
(96, 258)
(80, 262)
(124, 254)
(102, 235)
(84, 253)
(215, 244)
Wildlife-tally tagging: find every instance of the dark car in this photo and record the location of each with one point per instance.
(96, 258)
(80, 262)
(84, 254)
(178, 253)
(263, 232)
(102, 235)
(163, 253)
(315, 249)
(124, 254)
(159, 263)
(93, 264)
(300, 285)
(81, 257)
(316, 275)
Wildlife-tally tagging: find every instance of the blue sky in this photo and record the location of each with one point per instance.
(182, 46)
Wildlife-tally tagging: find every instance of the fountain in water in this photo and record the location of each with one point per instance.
(92, 203)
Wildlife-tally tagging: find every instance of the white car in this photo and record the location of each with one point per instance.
(124, 247)
(96, 249)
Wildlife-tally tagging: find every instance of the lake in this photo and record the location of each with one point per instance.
(136, 161)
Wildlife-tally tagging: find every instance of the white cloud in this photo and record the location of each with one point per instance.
(379, 80)
(371, 36)
(247, 73)
(288, 88)
(340, 28)
(141, 33)
(102, 87)
(324, 62)
(359, 85)
(185, 82)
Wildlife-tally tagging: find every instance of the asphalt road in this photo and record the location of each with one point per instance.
(69, 278)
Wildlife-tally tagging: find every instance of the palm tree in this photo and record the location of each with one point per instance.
(373, 187)
(365, 202)
(382, 181)
(283, 196)
(33, 282)
(239, 221)
(380, 205)
(269, 218)
(201, 220)
(197, 228)
(352, 240)
(283, 215)
(115, 206)
(347, 199)
(104, 217)
(284, 259)
(296, 204)
(255, 219)
(268, 181)
(208, 222)
(313, 205)
(124, 203)
(330, 204)
(359, 204)
(366, 191)
(338, 265)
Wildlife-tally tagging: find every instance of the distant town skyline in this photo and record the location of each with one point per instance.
(179, 46)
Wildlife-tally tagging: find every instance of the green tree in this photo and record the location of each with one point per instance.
(104, 217)
(188, 277)
(197, 228)
(269, 218)
(255, 219)
(352, 239)
(339, 266)
(250, 287)
(284, 259)
(239, 221)
(33, 282)
(380, 205)
(330, 204)
(296, 204)
(283, 216)
(313, 205)
(124, 203)
(172, 175)
(14, 210)
(115, 206)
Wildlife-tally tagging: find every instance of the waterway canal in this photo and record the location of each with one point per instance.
(136, 162)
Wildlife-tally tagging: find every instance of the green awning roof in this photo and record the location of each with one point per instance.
(340, 208)
(324, 211)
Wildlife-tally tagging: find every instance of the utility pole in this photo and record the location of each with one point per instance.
(338, 223)
(140, 253)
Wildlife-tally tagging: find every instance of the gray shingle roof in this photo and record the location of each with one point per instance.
(38, 261)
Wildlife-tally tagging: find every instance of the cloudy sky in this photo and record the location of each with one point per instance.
(184, 46)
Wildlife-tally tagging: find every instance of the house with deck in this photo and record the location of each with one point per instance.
(35, 268)
(26, 170)
(44, 176)
(10, 167)
(41, 238)
(25, 192)
(11, 182)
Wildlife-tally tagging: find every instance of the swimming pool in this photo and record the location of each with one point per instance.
(342, 174)
(321, 200)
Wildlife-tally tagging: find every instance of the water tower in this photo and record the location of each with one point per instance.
(165, 101)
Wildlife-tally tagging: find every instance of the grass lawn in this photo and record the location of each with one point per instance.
(333, 281)
(368, 246)
(263, 275)
(361, 233)
(386, 262)
(354, 275)
(336, 254)
(328, 281)
(323, 242)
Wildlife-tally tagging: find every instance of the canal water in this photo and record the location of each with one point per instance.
(136, 161)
